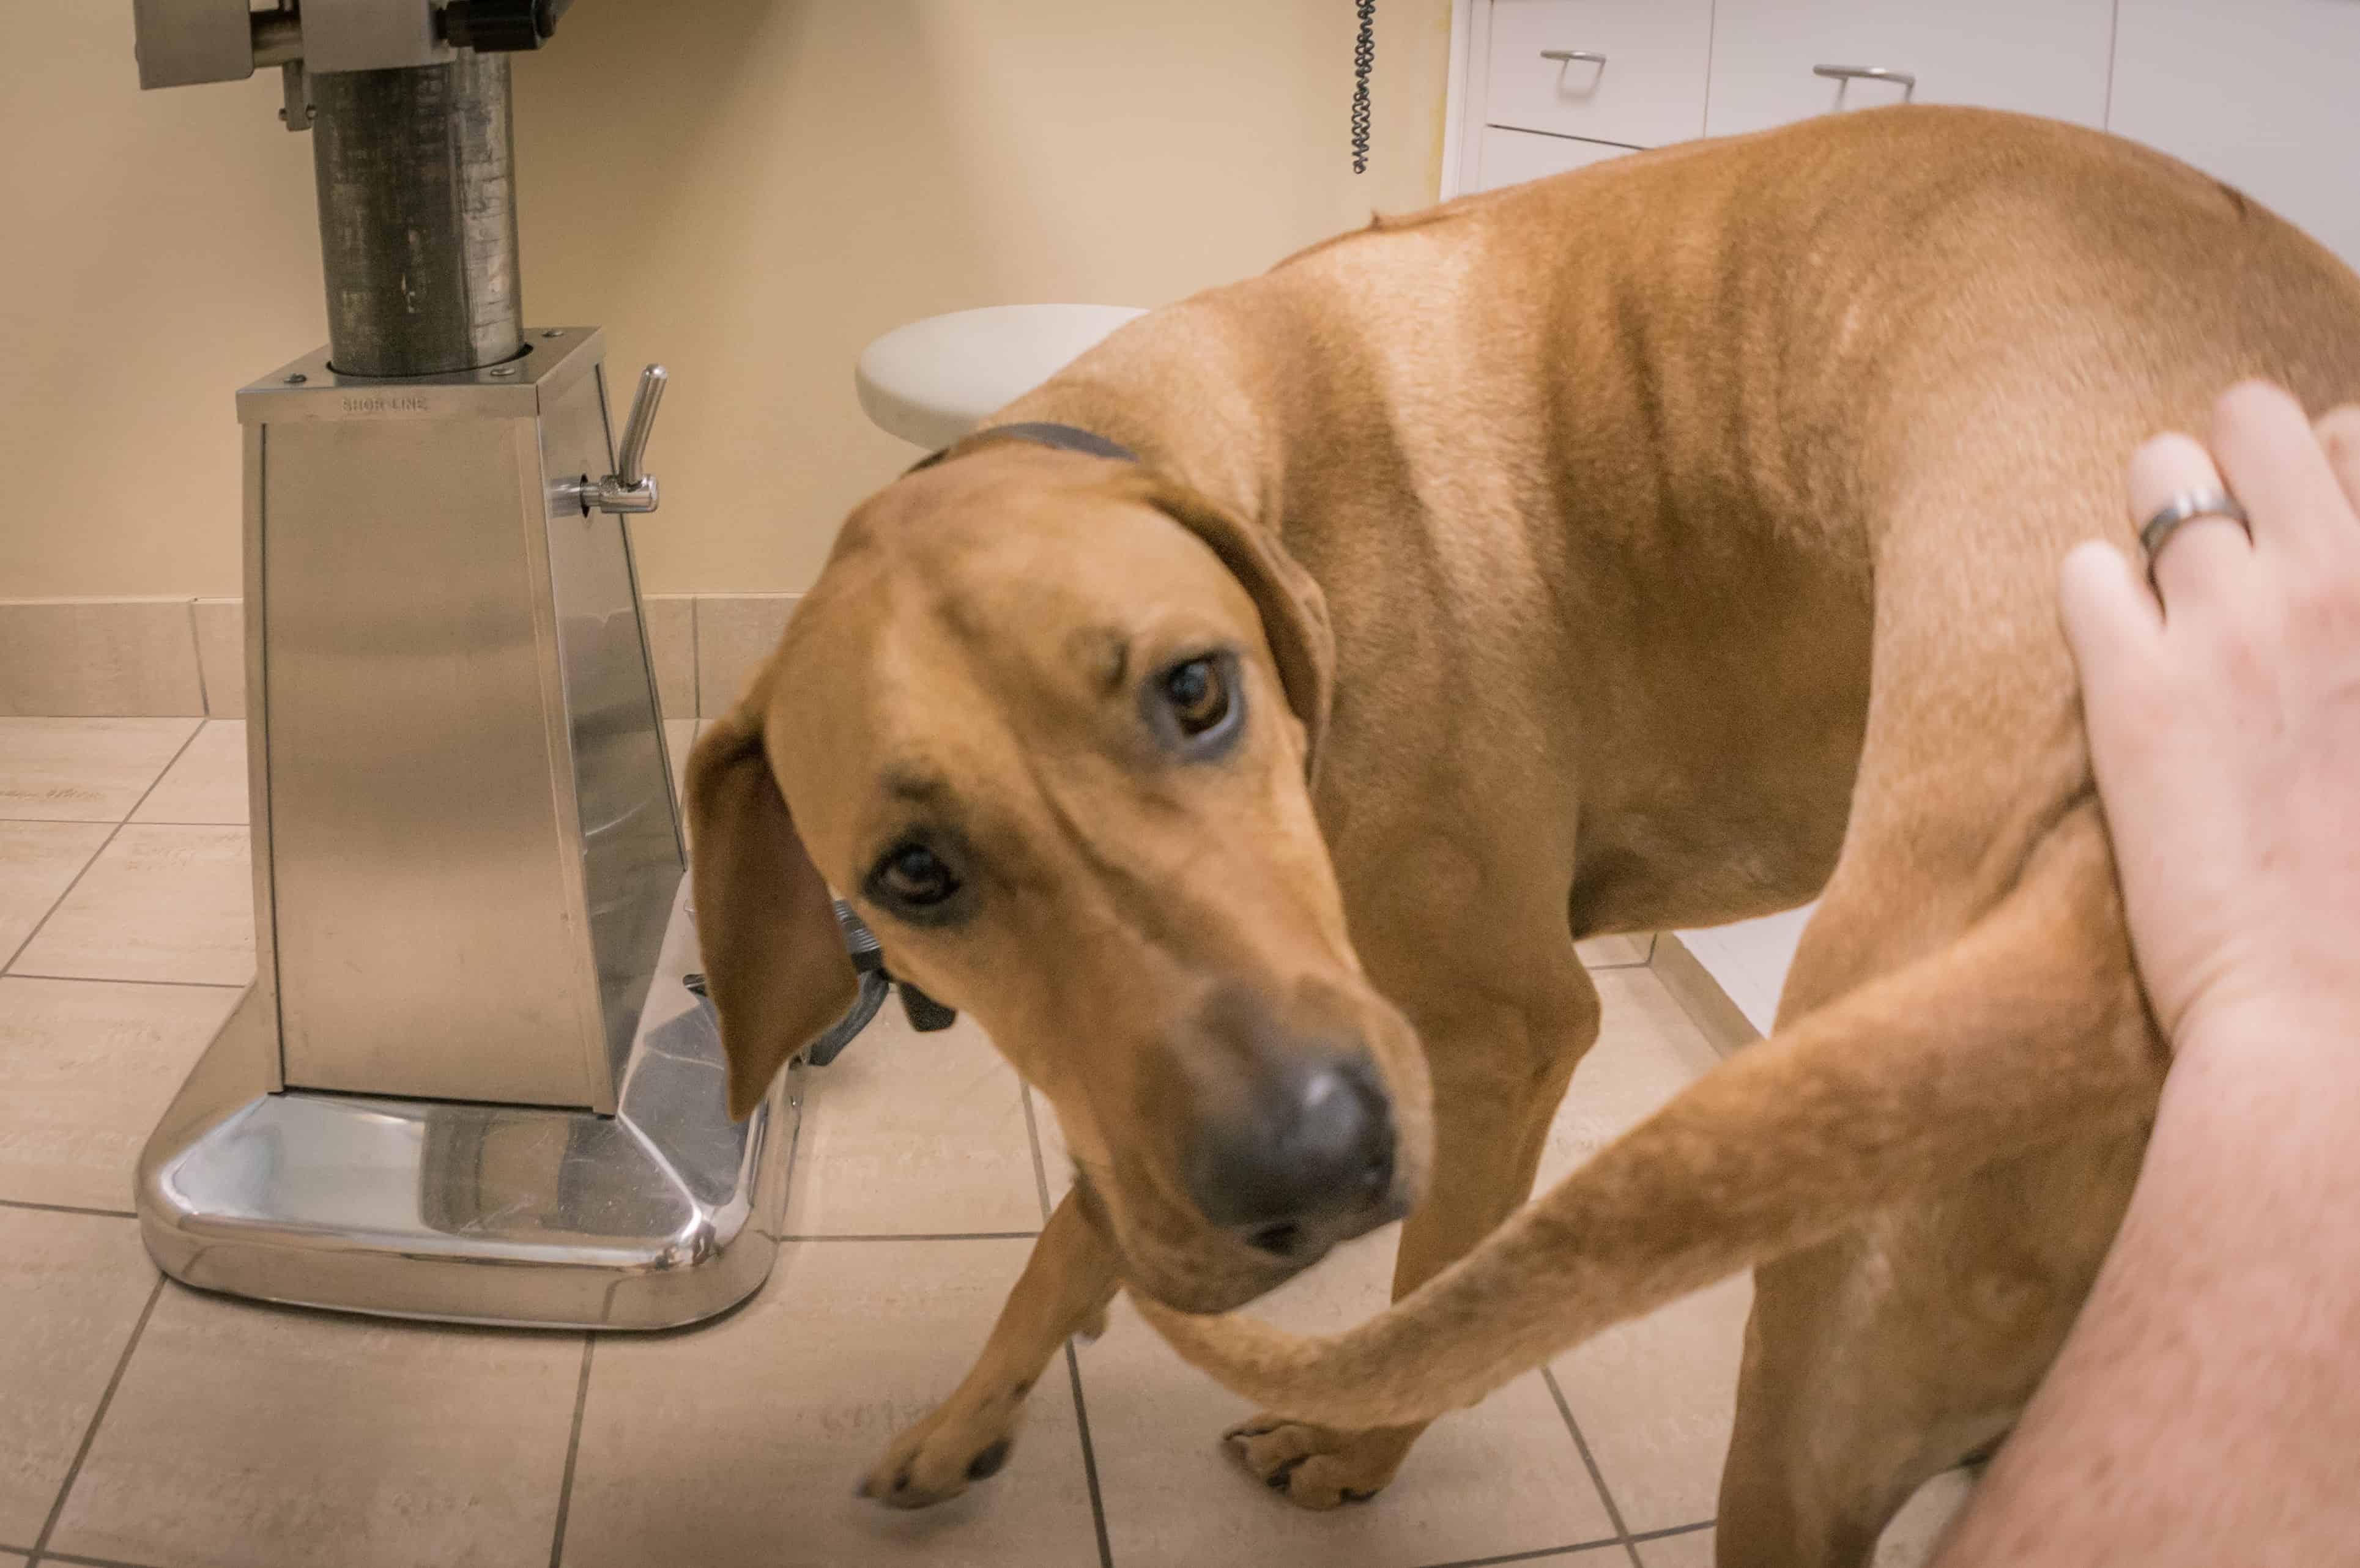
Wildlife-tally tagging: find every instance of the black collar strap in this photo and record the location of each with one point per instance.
(1064, 438)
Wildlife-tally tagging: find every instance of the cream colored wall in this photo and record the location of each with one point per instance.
(747, 190)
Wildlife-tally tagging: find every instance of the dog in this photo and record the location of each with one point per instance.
(1245, 724)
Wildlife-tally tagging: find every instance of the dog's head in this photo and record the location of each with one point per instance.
(1047, 722)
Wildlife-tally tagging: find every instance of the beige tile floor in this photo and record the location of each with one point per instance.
(147, 1425)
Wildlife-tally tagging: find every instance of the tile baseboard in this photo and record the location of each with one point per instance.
(1701, 996)
(153, 658)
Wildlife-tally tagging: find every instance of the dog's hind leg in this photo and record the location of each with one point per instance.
(1067, 1284)
(1877, 1359)
(1499, 1068)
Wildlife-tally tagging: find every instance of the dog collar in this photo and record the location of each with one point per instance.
(1040, 432)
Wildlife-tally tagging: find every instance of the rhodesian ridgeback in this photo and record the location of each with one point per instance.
(1247, 740)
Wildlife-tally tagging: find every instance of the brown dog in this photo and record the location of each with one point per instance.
(1649, 547)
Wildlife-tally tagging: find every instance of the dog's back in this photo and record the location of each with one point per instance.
(1912, 350)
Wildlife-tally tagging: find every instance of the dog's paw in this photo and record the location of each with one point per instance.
(937, 1459)
(1315, 1466)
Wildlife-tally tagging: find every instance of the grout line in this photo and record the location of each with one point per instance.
(90, 1433)
(197, 656)
(931, 1235)
(1089, 1458)
(1531, 1556)
(2113, 42)
(1073, 1362)
(1711, 34)
(100, 852)
(573, 1451)
(1589, 1462)
(86, 1561)
(66, 1208)
(100, 823)
(1033, 1136)
(129, 980)
(1665, 1534)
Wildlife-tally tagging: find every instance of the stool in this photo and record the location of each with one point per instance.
(934, 380)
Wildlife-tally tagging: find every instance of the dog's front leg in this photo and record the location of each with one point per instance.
(1067, 1284)
(1499, 1072)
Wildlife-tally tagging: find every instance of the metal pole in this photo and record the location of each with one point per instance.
(417, 229)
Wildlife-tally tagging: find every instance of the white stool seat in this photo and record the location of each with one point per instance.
(931, 381)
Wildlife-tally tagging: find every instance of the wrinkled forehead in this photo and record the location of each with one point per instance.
(944, 642)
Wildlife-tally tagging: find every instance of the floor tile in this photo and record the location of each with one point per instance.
(1502, 1478)
(83, 770)
(1056, 1163)
(90, 1065)
(739, 1443)
(1909, 1541)
(1655, 1398)
(38, 860)
(1614, 952)
(910, 1134)
(255, 1436)
(1693, 1549)
(160, 903)
(206, 784)
(71, 1286)
(1647, 1050)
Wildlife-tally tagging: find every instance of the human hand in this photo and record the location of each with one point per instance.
(2224, 721)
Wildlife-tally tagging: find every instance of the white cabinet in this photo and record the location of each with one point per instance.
(1511, 158)
(1612, 71)
(2264, 95)
(2040, 56)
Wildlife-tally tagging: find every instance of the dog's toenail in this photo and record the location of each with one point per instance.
(1352, 1496)
(986, 1465)
(1278, 1483)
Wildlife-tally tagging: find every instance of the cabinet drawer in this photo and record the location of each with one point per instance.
(2264, 97)
(1511, 158)
(2038, 57)
(1646, 90)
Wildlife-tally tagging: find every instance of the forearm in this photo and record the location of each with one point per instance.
(2206, 1407)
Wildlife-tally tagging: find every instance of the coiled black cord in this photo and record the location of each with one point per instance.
(1365, 59)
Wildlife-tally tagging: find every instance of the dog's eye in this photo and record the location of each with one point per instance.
(1198, 692)
(912, 875)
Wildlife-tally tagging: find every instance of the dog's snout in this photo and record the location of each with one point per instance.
(1306, 1161)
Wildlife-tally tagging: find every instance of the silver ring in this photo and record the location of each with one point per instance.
(2185, 508)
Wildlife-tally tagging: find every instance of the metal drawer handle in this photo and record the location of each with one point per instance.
(1583, 55)
(1868, 73)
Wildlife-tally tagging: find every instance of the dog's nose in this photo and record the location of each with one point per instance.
(1309, 1161)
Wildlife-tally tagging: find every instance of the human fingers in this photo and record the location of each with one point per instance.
(2265, 449)
(2339, 437)
(2112, 623)
(2198, 563)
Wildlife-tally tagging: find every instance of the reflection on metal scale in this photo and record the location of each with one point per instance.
(469, 1081)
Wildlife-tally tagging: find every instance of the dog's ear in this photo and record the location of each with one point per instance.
(1293, 610)
(774, 959)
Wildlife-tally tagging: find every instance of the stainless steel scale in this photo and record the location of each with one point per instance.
(468, 1081)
